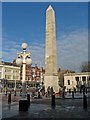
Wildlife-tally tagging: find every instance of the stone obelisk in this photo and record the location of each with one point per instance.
(51, 78)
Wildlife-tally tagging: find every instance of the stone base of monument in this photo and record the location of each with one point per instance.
(23, 105)
(51, 81)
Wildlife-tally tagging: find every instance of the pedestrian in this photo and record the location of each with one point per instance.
(80, 90)
(20, 92)
(69, 90)
(83, 91)
(46, 95)
(51, 91)
(15, 93)
(39, 95)
(28, 98)
(86, 90)
(75, 90)
(59, 92)
(48, 91)
(63, 93)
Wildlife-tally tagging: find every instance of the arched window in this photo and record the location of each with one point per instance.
(68, 82)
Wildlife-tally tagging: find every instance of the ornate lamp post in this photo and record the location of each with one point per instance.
(23, 59)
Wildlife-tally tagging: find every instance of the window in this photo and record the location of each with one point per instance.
(89, 77)
(5, 76)
(68, 82)
(8, 70)
(77, 78)
(28, 78)
(83, 78)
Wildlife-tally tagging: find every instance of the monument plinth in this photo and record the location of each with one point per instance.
(51, 78)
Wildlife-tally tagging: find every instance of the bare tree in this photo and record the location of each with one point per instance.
(85, 67)
(60, 77)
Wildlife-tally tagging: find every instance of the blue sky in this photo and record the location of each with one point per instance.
(25, 22)
(45, 0)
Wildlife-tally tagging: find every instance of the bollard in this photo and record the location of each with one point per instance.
(84, 101)
(72, 94)
(53, 100)
(6, 92)
(63, 94)
(9, 98)
(23, 105)
(28, 98)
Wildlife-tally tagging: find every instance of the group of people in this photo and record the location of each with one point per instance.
(49, 92)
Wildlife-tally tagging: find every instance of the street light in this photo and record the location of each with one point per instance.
(23, 59)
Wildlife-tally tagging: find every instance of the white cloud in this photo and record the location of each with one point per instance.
(72, 50)
(11, 48)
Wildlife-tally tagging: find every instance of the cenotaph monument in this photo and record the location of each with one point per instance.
(51, 77)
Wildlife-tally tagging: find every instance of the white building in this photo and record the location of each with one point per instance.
(75, 80)
(9, 72)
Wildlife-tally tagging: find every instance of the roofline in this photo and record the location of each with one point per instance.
(82, 73)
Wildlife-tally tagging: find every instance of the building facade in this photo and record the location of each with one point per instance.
(76, 80)
(34, 75)
(9, 74)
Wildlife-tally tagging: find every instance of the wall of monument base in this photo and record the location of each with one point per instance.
(51, 81)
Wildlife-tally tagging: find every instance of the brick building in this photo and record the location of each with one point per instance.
(34, 75)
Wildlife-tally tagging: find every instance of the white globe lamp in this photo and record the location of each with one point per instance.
(19, 61)
(28, 61)
(24, 46)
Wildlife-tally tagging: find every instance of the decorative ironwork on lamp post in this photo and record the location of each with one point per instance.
(24, 59)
